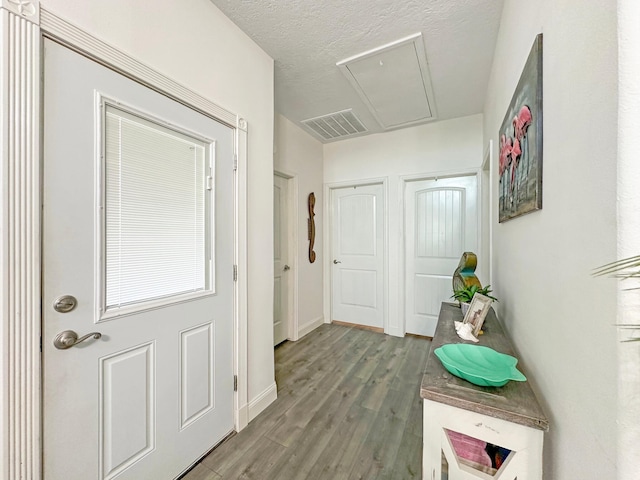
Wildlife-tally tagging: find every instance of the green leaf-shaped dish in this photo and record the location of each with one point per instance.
(479, 365)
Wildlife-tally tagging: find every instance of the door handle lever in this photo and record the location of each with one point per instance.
(69, 338)
(286, 268)
(335, 262)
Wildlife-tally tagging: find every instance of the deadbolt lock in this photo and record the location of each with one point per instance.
(65, 303)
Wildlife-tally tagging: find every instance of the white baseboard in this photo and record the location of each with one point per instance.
(262, 401)
(310, 327)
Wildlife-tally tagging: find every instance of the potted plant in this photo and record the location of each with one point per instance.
(464, 295)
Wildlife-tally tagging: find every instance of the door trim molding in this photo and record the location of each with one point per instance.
(20, 257)
(23, 23)
(326, 245)
(486, 194)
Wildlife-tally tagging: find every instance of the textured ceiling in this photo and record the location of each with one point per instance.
(306, 38)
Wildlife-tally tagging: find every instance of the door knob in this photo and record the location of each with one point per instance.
(69, 338)
(335, 262)
(287, 268)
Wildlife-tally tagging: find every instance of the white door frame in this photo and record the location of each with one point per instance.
(23, 24)
(326, 245)
(292, 252)
(404, 179)
(486, 205)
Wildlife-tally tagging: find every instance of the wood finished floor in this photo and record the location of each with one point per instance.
(348, 407)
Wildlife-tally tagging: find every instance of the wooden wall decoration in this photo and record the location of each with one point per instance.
(311, 224)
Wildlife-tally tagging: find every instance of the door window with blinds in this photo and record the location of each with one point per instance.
(157, 229)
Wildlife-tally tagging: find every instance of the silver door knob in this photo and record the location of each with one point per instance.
(335, 262)
(69, 338)
(287, 268)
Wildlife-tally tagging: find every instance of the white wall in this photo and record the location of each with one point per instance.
(432, 147)
(449, 146)
(298, 154)
(560, 317)
(628, 234)
(192, 42)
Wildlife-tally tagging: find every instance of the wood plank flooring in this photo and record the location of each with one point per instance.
(348, 408)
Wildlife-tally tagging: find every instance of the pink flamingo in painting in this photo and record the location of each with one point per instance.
(521, 122)
(505, 154)
(511, 148)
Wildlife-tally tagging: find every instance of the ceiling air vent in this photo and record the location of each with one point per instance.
(335, 125)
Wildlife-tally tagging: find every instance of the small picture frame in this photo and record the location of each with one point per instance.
(480, 305)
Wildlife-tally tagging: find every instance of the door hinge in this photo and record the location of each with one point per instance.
(209, 183)
(235, 383)
(235, 162)
(235, 273)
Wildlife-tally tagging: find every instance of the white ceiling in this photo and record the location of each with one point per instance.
(306, 38)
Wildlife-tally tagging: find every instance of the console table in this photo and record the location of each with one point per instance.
(508, 417)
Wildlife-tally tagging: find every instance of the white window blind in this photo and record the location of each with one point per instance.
(157, 206)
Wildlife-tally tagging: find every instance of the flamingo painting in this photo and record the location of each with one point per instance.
(520, 151)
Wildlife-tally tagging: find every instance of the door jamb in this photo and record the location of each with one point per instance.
(486, 195)
(326, 245)
(23, 25)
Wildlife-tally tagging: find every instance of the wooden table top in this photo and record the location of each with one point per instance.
(514, 402)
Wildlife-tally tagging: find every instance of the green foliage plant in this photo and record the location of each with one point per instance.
(464, 295)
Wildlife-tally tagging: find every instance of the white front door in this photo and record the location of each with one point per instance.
(138, 228)
(441, 223)
(357, 246)
(281, 268)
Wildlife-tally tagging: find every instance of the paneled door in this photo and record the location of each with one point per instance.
(138, 269)
(357, 248)
(281, 268)
(441, 223)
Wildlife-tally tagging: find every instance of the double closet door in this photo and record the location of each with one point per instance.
(440, 223)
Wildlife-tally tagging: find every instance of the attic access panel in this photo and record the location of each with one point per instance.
(393, 81)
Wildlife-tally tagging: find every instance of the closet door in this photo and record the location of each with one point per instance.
(441, 223)
(357, 247)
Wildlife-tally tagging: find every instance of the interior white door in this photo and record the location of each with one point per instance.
(137, 226)
(441, 223)
(281, 268)
(357, 246)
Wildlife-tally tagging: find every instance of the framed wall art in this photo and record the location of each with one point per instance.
(520, 152)
(477, 312)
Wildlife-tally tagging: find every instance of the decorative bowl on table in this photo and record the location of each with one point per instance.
(478, 364)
